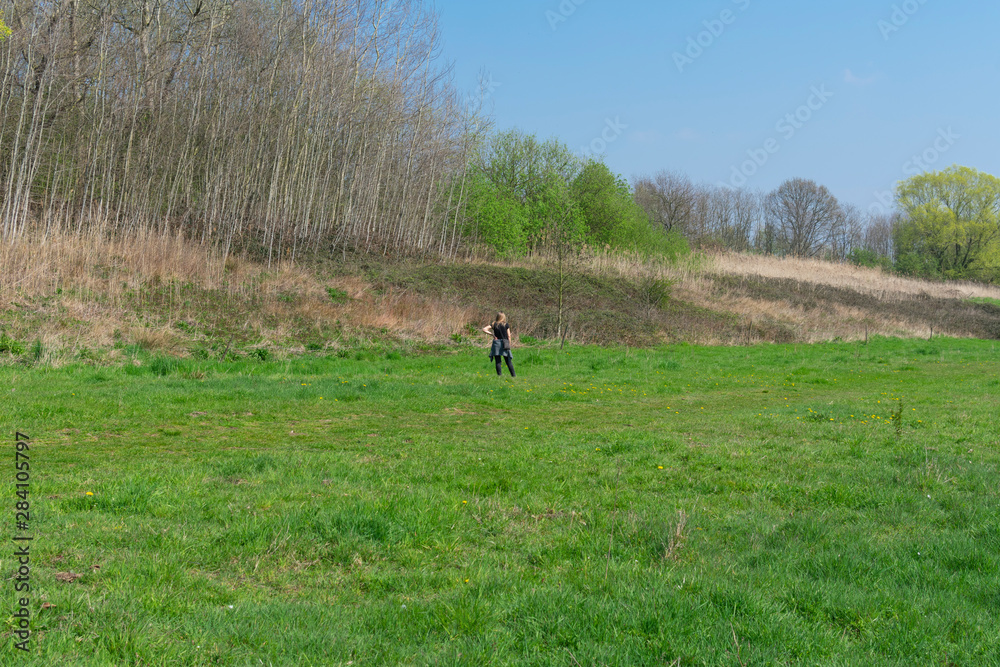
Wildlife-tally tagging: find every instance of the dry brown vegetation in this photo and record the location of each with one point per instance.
(822, 300)
(812, 300)
(150, 290)
(81, 292)
(857, 278)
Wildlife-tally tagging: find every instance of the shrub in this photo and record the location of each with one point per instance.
(869, 258)
(654, 292)
(10, 346)
(337, 295)
(163, 366)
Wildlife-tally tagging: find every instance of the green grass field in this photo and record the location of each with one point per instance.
(774, 505)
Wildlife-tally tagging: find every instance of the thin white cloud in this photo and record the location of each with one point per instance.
(687, 134)
(855, 80)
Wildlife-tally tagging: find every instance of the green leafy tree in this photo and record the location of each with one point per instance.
(614, 217)
(518, 184)
(4, 30)
(951, 227)
(496, 218)
(520, 167)
(603, 199)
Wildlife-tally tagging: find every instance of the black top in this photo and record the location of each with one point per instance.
(501, 331)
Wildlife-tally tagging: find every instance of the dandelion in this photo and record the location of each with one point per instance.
(659, 467)
(90, 493)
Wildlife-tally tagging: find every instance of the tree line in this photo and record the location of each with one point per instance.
(946, 224)
(526, 194)
(284, 126)
(278, 125)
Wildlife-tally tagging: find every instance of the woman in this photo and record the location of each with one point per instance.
(500, 349)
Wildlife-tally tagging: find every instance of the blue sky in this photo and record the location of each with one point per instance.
(744, 92)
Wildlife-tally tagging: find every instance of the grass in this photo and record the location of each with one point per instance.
(986, 300)
(805, 505)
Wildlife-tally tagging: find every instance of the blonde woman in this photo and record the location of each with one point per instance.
(500, 349)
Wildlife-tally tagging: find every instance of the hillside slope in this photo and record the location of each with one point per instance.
(97, 298)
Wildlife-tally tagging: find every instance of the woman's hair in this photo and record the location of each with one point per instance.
(500, 319)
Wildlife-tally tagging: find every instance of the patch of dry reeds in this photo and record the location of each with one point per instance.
(857, 278)
(78, 289)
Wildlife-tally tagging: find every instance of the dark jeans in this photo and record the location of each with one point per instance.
(510, 366)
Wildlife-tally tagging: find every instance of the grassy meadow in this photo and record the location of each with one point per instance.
(830, 504)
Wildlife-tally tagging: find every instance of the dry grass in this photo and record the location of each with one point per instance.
(38, 266)
(81, 291)
(848, 276)
(814, 325)
(696, 280)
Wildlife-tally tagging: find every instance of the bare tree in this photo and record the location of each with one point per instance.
(847, 233)
(878, 235)
(747, 210)
(668, 198)
(805, 217)
(281, 125)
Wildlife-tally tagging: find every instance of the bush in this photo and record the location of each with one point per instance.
(163, 366)
(654, 292)
(870, 259)
(337, 295)
(10, 346)
(637, 235)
